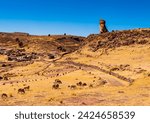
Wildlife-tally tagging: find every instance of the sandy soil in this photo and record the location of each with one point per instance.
(128, 83)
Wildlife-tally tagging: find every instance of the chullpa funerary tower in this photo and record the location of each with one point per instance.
(103, 27)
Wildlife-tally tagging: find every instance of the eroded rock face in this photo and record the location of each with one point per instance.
(103, 28)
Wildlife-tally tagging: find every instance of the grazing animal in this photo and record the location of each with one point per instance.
(27, 88)
(1, 78)
(57, 81)
(5, 78)
(79, 83)
(21, 91)
(4, 96)
(103, 82)
(73, 87)
(90, 86)
(84, 84)
(61, 102)
(55, 86)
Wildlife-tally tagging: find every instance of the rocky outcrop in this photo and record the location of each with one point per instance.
(18, 55)
(103, 27)
(118, 38)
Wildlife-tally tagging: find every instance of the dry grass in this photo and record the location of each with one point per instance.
(101, 87)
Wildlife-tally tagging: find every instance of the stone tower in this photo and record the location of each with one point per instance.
(103, 28)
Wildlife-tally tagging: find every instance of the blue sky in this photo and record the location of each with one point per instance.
(77, 17)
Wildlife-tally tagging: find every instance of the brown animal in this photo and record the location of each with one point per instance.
(103, 82)
(90, 86)
(4, 96)
(21, 91)
(1, 78)
(27, 88)
(73, 87)
(5, 78)
(84, 84)
(55, 86)
(79, 84)
(57, 81)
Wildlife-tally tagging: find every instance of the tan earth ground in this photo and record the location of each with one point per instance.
(98, 72)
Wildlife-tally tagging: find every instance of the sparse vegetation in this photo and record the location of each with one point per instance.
(103, 69)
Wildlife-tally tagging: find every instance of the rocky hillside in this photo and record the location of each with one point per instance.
(112, 68)
(23, 45)
(118, 38)
(114, 51)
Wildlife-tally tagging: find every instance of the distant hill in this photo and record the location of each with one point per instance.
(51, 44)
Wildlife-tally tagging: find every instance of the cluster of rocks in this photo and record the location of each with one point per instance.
(18, 55)
(2, 64)
(61, 48)
(3, 78)
(121, 67)
(51, 56)
(56, 84)
(81, 84)
(118, 38)
(72, 87)
(20, 43)
(22, 57)
(70, 38)
(110, 72)
(69, 43)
